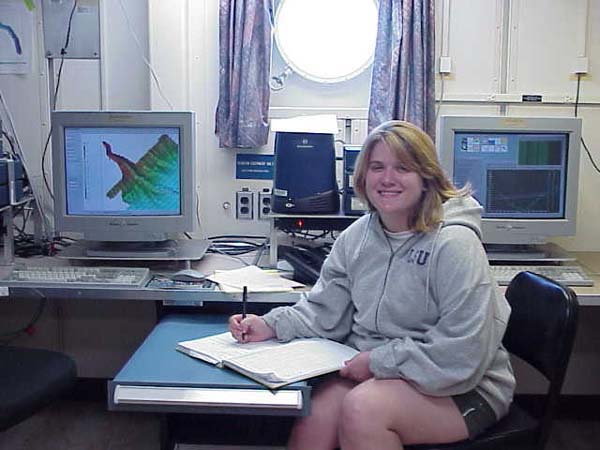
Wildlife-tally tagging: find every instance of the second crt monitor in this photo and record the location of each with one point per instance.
(524, 171)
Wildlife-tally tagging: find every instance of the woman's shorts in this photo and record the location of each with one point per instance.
(476, 411)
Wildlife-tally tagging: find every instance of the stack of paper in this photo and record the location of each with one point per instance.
(254, 278)
(274, 364)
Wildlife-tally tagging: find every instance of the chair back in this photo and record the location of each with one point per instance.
(541, 331)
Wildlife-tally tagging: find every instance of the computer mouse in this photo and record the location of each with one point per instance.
(188, 275)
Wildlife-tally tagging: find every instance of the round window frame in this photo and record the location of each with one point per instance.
(289, 62)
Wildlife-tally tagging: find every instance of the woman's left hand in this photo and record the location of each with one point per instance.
(357, 368)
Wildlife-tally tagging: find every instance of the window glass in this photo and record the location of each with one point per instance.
(326, 40)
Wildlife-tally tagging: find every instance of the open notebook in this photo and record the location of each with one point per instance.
(271, 363)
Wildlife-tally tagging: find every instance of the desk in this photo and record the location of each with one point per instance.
(588, 296)
(590, 261)
(157, 378)
(194, 296)
(78, 314)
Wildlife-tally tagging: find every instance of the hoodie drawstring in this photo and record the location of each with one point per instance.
(428, 276)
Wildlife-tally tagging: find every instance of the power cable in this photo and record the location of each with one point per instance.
(8, 337)
(139, 46)
(589, 154)
(63, 52)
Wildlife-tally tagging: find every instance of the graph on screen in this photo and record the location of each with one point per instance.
(115, 171)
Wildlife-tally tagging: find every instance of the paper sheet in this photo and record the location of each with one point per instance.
(255, 278)
(215, 349)
(16, 29)
(319, 123)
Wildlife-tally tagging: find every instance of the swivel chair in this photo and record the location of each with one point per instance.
(29, 380)
(540, 331)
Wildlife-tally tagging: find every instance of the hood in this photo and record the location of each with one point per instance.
(462, 211)
(465, 211)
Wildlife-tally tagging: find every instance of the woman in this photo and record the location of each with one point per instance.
(409, 286)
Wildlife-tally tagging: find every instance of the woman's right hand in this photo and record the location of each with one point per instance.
(251, 329)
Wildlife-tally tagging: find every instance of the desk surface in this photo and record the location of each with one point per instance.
(588, 296)
(590, 261)
(159, 378)
(192, 295)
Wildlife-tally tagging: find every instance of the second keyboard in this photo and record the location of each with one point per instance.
(568, 275)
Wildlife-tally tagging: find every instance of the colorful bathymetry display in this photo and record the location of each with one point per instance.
(13, 36)
(153, 181)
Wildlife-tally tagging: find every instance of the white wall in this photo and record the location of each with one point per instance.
(498, 50)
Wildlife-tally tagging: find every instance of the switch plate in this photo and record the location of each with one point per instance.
(445, 64)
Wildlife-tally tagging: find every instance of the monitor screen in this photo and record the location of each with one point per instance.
(523, 171)
(124, 176)
(519, 175)
(122, 171)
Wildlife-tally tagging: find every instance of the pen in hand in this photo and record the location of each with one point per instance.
(244, 302)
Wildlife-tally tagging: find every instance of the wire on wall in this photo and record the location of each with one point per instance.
(589, 154)
(143, 56)
(441, 100)
(63, 52)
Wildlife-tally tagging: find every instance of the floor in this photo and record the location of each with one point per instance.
(79, 425)
(87, 425)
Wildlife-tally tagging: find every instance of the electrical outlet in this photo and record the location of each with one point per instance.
(264, 204)
(244, 204)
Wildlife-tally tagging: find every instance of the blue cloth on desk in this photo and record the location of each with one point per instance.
(156, 361)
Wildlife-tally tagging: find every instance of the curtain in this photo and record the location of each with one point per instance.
(244, 64)
(402, 82)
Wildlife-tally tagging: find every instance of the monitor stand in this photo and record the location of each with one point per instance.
(548, 253)
(169, 250)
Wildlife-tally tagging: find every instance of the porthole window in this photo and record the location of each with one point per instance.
(326, 41)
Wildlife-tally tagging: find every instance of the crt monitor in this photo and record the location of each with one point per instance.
(523, 170)
(125, 180)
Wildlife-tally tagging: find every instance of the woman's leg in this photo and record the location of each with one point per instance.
(387, 414)
(319, 431)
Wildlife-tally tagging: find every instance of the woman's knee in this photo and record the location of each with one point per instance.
(322, 423)
(361, 409)
(368, 407)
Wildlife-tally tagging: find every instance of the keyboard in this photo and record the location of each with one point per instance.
(569, 275)
(77, 276)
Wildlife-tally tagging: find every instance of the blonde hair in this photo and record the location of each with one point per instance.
(415, 149)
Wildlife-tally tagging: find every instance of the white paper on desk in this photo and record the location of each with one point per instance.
(319, 123)
(256, 280)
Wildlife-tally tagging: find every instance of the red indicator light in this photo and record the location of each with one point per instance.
(300, 223)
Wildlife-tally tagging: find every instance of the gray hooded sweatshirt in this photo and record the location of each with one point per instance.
(429, 310)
